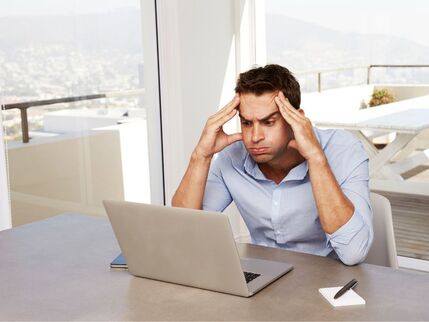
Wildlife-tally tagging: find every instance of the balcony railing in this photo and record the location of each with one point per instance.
(23, 106)
(319, 73)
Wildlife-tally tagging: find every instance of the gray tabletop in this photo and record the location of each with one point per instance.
(58, 269)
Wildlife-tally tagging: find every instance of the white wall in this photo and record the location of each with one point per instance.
(196, 38)
(198, 72)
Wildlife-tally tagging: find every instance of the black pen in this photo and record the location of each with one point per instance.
(346, 287)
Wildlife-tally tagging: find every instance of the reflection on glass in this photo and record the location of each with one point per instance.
(91, 143)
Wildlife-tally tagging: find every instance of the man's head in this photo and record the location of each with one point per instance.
(266, 134)
(269, 79)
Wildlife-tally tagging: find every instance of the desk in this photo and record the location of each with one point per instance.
(58, 269)
(406, 118)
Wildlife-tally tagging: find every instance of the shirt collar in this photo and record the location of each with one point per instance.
(252, 169)
(299, 172)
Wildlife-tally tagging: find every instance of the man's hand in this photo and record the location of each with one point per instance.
(190, 192)
(334, 208)
(214, 139)
(305, 140)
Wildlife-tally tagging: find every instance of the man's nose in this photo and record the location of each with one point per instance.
(257, 134)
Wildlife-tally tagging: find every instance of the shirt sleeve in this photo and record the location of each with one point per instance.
(353, 240)
(216, 195)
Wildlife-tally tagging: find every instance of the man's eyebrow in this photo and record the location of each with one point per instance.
(241, 116)
(269, 116)
(265, 118)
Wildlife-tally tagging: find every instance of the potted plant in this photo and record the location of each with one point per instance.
(381, 96)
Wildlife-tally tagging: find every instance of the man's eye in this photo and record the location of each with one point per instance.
(245, 123)
(269, 122)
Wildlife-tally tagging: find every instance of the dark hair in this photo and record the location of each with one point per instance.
(260, 80)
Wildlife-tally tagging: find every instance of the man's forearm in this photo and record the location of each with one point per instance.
(334, 208)
(190, 192)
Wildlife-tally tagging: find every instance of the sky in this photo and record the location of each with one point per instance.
(407, 19)
(55, 7)
(403, 18)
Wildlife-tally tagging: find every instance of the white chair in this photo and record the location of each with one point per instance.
(383, 249)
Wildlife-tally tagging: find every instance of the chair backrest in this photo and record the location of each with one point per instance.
(383, 249)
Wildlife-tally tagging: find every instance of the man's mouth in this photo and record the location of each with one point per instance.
(256, 151)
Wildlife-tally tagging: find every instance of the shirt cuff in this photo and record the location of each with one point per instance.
(346, 232)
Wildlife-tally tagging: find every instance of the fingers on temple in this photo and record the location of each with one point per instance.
(225, 118)
(225, 114)
(285, 101)
(285, 111)
(230, 106)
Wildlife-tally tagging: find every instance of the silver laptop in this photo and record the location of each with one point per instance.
(189, 247)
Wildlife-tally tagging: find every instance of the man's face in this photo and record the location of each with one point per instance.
(265, 132)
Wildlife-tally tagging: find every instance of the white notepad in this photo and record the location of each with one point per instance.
(349, 298)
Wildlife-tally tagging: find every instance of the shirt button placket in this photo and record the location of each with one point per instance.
(275, 210)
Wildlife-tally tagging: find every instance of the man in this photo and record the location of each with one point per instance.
(296, 187)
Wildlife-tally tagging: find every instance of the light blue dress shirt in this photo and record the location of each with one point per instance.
(285, 215)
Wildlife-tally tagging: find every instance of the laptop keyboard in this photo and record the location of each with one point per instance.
(250, 276)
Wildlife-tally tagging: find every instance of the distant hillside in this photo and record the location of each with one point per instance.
(303, 46)
(120, 30)
(295, 43)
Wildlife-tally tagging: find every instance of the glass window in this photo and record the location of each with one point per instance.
(79, 104)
